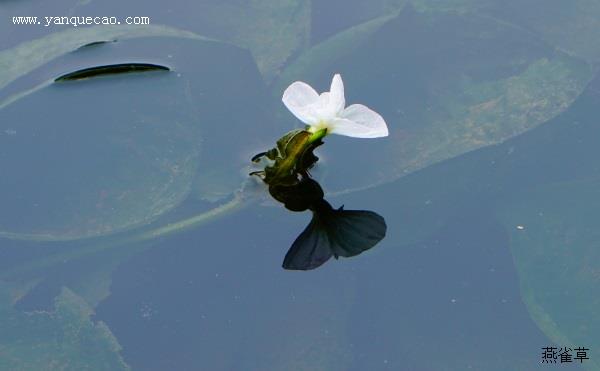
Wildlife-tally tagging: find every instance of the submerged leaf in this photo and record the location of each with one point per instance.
(446, 84)
(571, 26)
(103, 170)
(106, 170)
(309, 64)
(563, 148)
(273, 31)
(554, 234)
(64, 339)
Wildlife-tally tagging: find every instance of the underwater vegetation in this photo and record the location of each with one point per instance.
(111, 164)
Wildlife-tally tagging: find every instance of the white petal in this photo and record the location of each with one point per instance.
(300, 99)
(366, 123)
(348, 128)
(323, 110)
(337, 100)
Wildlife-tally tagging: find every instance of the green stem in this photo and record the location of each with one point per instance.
(319, 134)
(194, 221)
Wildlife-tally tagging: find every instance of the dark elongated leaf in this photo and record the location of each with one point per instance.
(113, 69)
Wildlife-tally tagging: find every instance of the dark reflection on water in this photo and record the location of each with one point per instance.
(331, 232)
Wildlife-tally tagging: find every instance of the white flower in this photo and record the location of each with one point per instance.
(328, 111)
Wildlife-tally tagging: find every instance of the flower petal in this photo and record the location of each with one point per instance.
(337, 101)
(322, 109)
(360, 122)
(300, 99)
(348, 128)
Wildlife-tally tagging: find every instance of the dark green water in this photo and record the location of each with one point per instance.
(488, 183)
